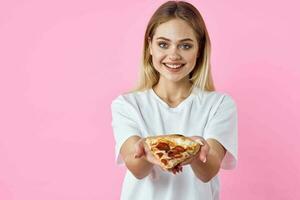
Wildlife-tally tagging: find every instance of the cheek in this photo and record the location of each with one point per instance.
(191, 57)
(158, 56)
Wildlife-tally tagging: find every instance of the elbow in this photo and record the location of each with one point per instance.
(209, 176)
(135, 171)
(205, 179)
(139, 176)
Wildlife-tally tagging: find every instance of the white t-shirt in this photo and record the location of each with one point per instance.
(206, 114)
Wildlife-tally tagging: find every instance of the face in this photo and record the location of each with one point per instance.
(174, 50)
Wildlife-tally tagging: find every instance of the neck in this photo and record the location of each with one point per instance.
(173, 91)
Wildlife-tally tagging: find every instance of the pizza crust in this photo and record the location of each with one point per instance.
(172, 149)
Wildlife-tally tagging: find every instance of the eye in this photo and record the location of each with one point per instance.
(162, 44)
(186, 46)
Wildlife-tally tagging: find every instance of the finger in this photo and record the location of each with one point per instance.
(204, 148)
(139, 149)
(177, 169)
(181, 168)
(204, 152)
(200, 141)
(174, 171)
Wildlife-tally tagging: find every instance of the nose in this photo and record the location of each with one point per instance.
(174, 54)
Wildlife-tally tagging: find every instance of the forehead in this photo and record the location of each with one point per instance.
(175, 29)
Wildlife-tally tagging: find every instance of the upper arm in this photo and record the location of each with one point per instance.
(124, 124)
(223, 127)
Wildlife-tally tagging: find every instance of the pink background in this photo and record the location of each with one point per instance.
(62, 62)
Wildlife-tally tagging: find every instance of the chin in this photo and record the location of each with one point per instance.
(174, 79)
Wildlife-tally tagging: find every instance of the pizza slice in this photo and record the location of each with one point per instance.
(172, 149)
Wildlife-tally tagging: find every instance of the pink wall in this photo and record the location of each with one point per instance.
(62, 62)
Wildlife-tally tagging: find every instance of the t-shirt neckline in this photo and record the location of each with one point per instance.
(182, 103)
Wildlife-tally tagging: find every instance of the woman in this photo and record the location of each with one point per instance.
(175, 95)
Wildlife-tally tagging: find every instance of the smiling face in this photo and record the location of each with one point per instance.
(174, 50)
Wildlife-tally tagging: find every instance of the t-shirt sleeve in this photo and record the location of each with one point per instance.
(124, 124)
(222, 126)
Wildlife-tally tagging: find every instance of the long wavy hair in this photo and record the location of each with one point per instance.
(201, 75)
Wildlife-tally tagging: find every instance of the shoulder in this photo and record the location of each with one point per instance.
(215, 98)
(130, 99)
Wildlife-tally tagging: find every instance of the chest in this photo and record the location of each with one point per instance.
(156, 120)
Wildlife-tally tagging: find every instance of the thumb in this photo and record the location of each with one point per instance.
(199, 141)
(139, 149)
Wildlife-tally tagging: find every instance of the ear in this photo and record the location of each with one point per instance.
(150, 45)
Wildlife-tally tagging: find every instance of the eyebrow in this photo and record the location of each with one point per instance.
(186, 39)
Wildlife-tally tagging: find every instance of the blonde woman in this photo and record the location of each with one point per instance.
(175, 94)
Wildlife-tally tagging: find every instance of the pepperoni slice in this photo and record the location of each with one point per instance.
(172, 153)
(179, 149)
(178, 155)
(164, 161)
(163, 146)
(159, 154)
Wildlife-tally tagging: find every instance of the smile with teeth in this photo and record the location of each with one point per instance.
(173, 66)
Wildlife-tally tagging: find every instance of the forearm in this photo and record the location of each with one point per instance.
(139, 167)
(206, 171)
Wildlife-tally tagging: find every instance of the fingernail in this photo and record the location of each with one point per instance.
(204, 161)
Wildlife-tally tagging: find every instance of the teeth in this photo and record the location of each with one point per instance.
(174, 66)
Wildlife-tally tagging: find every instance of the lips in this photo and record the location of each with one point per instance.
(174, 65)
(173, 68)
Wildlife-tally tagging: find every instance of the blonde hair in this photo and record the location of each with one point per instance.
(201, 75)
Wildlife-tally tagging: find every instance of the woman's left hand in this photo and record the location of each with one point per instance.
(202, 153)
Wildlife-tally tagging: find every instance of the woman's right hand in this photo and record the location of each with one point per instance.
(142, 149)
